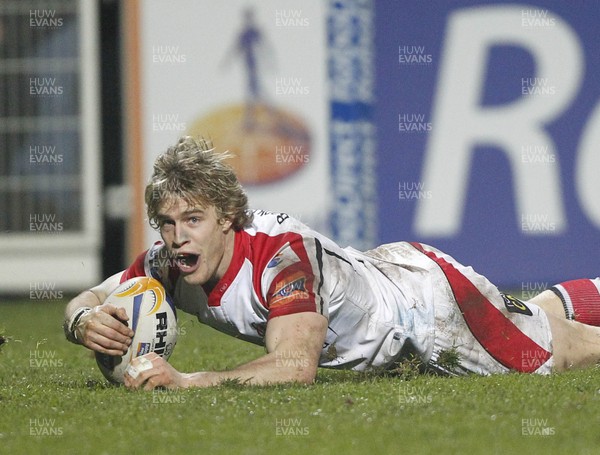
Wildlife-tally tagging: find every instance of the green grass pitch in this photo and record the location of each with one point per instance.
(54, 400)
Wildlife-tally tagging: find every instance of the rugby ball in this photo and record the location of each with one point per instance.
(152, 317)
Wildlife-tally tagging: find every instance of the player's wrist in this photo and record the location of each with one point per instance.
(197, 379)
(71, 324)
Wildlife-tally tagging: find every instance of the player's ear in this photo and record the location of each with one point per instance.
(226, 224)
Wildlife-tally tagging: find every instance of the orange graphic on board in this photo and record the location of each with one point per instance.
(268, 142)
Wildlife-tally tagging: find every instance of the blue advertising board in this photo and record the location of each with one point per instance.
(488, 134)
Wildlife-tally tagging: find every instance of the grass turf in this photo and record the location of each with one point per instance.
(54, 400)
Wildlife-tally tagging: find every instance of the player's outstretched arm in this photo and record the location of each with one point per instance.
(294, 343)
(97, 326)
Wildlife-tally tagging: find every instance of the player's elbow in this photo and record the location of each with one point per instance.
(296, 370)
(305, 374)
(306, 379)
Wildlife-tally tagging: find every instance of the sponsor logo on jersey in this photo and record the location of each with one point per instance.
(292, 288)
(514, 305)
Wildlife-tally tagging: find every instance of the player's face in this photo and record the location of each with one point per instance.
(201, 244)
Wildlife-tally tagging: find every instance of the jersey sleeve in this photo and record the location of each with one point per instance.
(294, 278)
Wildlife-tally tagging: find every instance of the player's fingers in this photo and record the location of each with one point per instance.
(164, 374)
(108, 339)
(129, 382)
(108, 329)
(139, 370)
(96, 336)
(121, 314)
(109, 320)
(157, 377)
(152, 382)
(105, 345)
(101, 349)
(117, 318)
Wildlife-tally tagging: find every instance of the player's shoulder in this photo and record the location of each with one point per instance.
(279, 228)
(275, 235)
(275, 224)
(265, 219)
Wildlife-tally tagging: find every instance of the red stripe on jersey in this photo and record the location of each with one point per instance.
(136, 268)
(264, 247)
(160, 267)
(494, 331)
(259, 249)
(292, 291)
(240, 248)
(299, 306)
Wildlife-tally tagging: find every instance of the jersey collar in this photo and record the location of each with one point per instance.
(240, 252)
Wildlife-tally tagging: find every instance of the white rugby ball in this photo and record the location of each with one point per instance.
(152, 317)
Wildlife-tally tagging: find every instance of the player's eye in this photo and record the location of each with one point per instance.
(166, 225)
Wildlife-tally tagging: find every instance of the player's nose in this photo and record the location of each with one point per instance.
(180, 237)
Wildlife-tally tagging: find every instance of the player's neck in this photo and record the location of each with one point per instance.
(228, 249)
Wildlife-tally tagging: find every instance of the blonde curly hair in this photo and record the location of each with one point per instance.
(193, 171)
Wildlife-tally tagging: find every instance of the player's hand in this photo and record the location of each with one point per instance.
(104, 330)
(151, 371)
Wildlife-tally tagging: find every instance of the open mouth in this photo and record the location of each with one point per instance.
(187, 262)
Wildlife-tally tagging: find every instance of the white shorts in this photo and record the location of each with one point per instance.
(490, 332)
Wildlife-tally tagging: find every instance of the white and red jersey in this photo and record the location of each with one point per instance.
(280, 267)
(397, 300)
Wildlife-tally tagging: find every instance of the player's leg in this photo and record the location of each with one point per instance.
(575, 345)
(549, 302)
(577, 300)
(489, 332)
(495, 333)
